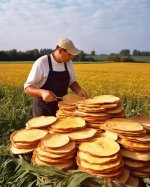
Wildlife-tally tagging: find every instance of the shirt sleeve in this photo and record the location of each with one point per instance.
(36, 75)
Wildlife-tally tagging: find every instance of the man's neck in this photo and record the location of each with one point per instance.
(55, 56)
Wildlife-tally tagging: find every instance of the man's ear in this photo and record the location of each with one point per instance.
(60, 50)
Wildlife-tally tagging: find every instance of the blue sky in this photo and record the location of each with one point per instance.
(102, 25)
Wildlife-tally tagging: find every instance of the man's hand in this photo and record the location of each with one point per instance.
(48, 96)
(82, 93)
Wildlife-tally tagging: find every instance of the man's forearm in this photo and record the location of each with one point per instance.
(46, 95)
(33, 91)
(75, 87)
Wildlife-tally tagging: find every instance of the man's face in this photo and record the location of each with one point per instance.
(65, 56)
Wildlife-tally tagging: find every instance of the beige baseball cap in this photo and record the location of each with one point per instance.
(69, 46)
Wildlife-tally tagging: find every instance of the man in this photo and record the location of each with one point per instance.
(50, 77)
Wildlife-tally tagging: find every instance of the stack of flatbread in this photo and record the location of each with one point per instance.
(26, 140)
(68, 105)
(97, 110)
(75, 128)
(42, 122)
(100, 157)
(135, 142)
(55, 150)
(122, 126)
(137, 161)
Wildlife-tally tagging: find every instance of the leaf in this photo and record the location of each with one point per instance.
(41, 170)
(147, 181)
(77, 178)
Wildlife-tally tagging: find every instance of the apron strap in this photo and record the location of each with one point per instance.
(50, 62)
(66, 67)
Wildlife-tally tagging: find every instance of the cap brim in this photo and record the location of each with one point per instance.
(74, 51)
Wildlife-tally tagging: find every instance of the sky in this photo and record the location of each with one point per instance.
(105, 26)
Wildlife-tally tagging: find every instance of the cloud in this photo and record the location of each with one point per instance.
(103, 26)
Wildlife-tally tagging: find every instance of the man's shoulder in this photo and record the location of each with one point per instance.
(41, 60)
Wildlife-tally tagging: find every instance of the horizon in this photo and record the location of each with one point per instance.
(102, 54)
(95, 25)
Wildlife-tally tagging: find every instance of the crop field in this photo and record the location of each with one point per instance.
(130, 82)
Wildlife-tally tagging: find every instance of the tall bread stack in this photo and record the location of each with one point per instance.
(135, 144)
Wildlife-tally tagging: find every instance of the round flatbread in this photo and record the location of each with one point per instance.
(100, 148)
(97, 160)
(18, 151)
(72, 98)
(142, 156)
(69, 123)
(123, 124)
(40, 122)
(101, 168)
(109, 135)
(82, 134)
(63, 166)
(54, 141)
(28, 135)
(69, 148)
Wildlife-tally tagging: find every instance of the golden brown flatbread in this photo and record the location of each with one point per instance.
(45, 153)
(40, 122)
(63, 166)
(109, 135)
(28, 135)
(122, 124)
(72, 98)
(97, 160)
(101, 148)
(82, 134)
(137, 165)
(143, 156)
(105, 168)
(54, 141)
(134, 146)
(69, 123)
(18, 151)
(61, 150)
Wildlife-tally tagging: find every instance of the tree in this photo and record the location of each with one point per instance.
(93, 53)
(134, 52)
(114, 57)
(125, 52)
(80, 58)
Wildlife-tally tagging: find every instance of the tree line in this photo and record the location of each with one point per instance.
(126, 56)
(31, 55)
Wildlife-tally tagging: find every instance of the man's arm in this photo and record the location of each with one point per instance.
(46, 95)
(77, 89)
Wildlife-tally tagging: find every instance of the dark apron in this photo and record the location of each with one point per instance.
(58, 83)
